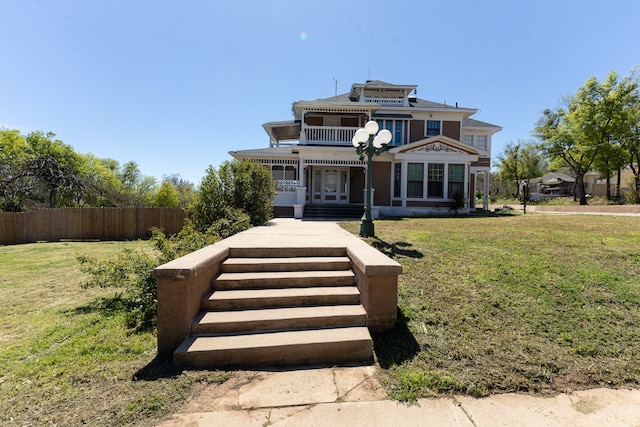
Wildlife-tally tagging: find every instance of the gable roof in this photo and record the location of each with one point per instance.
(441, 139)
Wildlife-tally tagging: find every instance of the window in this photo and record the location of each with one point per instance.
(433, 127)
(435, 183)
(467, 139)
(456, 181)
(397, 179)
(481, 141)
(415, 180)
(396, 128)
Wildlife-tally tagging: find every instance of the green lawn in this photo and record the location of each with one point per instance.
(65, 357)
(529, 303)
(537, 303)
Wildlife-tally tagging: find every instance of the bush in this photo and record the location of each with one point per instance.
(131, 271)
(236, 187)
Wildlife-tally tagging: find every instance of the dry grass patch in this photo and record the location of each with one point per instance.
(528, 303)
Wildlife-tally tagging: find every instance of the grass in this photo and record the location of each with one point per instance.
(529, 303)
(524, 303)
(65, 356)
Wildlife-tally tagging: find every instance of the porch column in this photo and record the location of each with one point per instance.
(403, 183)
(485, 191)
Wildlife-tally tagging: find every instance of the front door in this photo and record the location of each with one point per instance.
(330, 185)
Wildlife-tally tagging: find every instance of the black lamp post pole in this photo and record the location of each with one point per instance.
(367, 228)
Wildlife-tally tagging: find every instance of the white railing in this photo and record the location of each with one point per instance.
(385, 101)
(329, 135)
(286, 185)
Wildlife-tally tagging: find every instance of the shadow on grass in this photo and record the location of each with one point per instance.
(161, 367)
(393, 250)
(108, 306)
(397, 345)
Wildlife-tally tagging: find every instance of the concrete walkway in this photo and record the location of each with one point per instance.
(353, 396)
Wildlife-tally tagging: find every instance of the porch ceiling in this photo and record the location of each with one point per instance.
(283, 131)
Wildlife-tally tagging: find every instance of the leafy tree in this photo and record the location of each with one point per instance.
(186, 190)
(137, 189)
(631, 143)
(236, 187)
(55, 165)
(167, 195)
(14, 181)
(591, 119)
(520, 161)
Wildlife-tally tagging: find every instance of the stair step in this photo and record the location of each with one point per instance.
(284, 279)
(220, 322)
(287, 252)
(283, 297)
(316, 346)
(234, 265)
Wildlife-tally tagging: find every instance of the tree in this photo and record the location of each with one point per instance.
(14, 180)
(588, 121)
(167, 195)
(236, 187)
(186, 190)
(631, 143)
(520, 161)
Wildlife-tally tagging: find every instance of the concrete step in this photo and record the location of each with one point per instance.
(316, 346)
(285, 297)
(287, 252)
(220, 322)
(236, 265)
(284, 279)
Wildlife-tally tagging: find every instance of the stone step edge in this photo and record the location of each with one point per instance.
(265, 264)
(333, 345)
(281, 318)
(230, 299)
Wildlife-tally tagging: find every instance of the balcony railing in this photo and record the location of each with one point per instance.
(387, 101)
(329, 135)
(286, 185)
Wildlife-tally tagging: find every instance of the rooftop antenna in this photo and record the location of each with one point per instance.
(336, 92)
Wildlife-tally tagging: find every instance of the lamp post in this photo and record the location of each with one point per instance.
(366, 142)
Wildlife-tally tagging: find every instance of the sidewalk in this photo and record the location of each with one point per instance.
(352, 396)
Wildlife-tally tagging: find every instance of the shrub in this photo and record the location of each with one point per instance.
(131, 271)
(235, 187)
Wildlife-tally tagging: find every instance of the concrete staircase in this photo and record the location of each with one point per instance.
(301, 307)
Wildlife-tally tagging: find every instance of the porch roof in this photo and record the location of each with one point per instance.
(283, 131)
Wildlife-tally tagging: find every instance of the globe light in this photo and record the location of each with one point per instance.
(376, 142)
(371, 127)
(361, 136)
(384, 136)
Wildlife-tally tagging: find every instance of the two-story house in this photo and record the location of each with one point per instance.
(430, 166)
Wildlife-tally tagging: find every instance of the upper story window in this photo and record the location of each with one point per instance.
(396, 127)
(467, 139)
(481, 141)
(433, 128)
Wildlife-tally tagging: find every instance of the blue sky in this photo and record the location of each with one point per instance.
(176, 85)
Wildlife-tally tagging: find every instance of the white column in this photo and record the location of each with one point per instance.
(485, 191)
(403, 183)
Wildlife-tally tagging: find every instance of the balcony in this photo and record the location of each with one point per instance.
(327, 135)
(399, 102)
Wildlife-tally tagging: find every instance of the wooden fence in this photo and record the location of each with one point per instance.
(87, 224)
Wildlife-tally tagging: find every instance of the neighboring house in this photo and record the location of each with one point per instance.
(431, 163)
(626, 181)
(556, 183)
